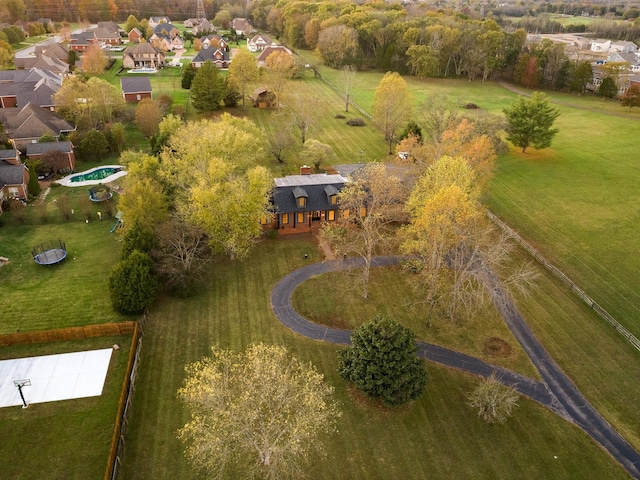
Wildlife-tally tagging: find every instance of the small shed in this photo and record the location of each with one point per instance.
(135, 89)
(262, 98)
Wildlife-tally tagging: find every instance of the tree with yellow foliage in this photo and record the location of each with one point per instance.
(257, 413)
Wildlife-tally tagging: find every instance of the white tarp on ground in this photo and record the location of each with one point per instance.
(54, 377)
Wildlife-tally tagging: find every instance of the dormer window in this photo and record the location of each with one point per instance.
(332, 194)
(301, 196)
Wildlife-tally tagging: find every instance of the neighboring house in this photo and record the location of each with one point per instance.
(53, 50)
(166, 43)
(14, 176)
(631, 59)
(600, 45)
(259, 42)
(50, 64)
(242, 26)
(135, 89)
(106, 36)
(213, 40)
(27, 124)
(35, 152)
(623, 47)
(112, 26)
(81, 41)
(143, 55)
(262, 98)
(219, 57)
(191, 22)
(262, 58)
(20, 87)
(303, 202)
(155, 21)
(166, 29)
(135, 35)
(203, 27)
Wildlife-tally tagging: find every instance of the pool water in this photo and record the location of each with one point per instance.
(97, 174)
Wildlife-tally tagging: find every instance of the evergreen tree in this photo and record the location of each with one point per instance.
(208, 88)
(608, 88)
(530, 120)
(187, 76)
(34, 185)
(382, 362)
(132, 284)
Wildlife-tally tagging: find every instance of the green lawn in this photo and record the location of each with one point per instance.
(73, 293)
(333, 299)
(68, 439)
(438, 436)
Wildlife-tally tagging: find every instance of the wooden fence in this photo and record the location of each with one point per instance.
(632, 339)
(71, 333)
(124, 407)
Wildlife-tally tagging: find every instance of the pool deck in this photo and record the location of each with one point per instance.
(66, 181)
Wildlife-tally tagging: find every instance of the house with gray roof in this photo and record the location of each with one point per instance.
(14, 176)
(27, 124)
(143, 55)
(213, 54)
(20, 87)
(135, 89)
(66, 160)
(303, 202)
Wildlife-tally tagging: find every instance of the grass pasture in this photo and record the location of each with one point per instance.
(68, 439)
(347, 141)
(438, 436)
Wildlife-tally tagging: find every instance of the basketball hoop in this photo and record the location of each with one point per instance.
(22, 383)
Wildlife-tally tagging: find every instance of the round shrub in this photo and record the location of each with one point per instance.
(356, 122)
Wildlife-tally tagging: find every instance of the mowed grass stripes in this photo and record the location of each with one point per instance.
(438, 436)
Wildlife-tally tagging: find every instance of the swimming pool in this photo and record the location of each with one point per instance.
(94, 176)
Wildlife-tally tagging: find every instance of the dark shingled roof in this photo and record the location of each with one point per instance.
(314, 187)
(11, 175)
(208, 53)
(8, 154)
(135, 84)
(46, 147)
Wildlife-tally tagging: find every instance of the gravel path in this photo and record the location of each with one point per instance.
(555, 392)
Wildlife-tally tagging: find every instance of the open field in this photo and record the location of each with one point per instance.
(573, 201)
(347, 142)
(436, 437)
(69, 439)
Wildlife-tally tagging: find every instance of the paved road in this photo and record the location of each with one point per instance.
(556, 391)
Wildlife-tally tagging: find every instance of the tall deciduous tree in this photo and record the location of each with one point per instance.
(89, 103)
(6, 55)
(257, 413)
(243, 71)
(208, 87)
(382, 362)
(348, 78)
(214, 168)
(391, 106)
(632, 97)
(302, 110)
(530, 121)
(148, 116)
(371, 203)
(338, 45)
(93, 60)
(280, 68)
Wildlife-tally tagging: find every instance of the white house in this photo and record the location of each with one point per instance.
(600, 45)
(623, 47)
(259, 42)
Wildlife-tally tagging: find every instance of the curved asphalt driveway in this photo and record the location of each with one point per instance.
(556, 391)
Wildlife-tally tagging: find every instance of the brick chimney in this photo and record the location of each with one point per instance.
(305, 170)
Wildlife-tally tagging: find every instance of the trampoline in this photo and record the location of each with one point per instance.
(100, 193)
(49, 253)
